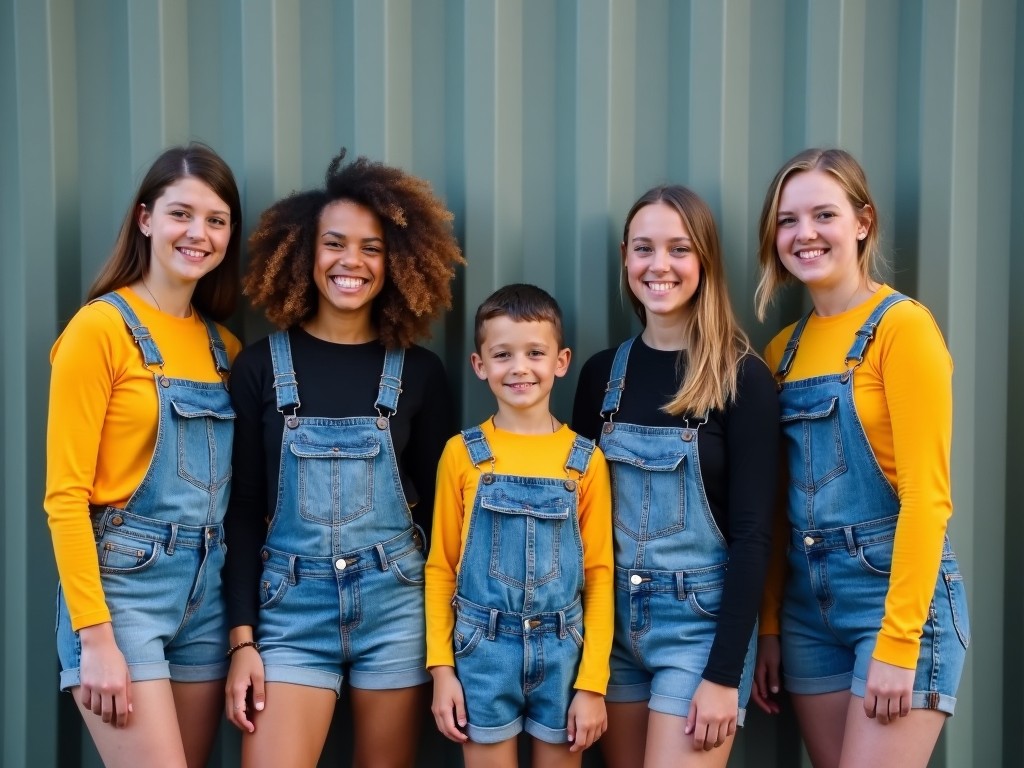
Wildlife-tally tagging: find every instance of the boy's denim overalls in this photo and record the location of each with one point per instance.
(160, 557)
(342, 583)
(670, 560)
(519, 616)
(843, 514)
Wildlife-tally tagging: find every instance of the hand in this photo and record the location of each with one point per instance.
(888, 692)
(246, 672)
(106, 685)
(766, 674)
(449, 704)
(713, 712)
(587, 719)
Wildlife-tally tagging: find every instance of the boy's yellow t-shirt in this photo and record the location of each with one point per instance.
(528, 456)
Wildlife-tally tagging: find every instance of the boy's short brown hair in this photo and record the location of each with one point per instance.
(523, 303)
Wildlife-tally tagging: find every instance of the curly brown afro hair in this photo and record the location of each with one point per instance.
(422, 251)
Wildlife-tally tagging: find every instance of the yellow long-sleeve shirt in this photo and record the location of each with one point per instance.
(102, 427)
(527, 456)
(904, 399)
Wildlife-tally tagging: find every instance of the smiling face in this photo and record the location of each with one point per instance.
(349, 266)
(189, 227)
(520, 360)
(818, 230)
(661, 262)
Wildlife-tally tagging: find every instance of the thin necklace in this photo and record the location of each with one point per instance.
(150, 293)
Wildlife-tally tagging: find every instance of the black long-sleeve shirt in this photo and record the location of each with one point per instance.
(738, 462)
(335, 381)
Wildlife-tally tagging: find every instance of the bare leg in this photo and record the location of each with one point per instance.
(668, 746)
(151, 737)
(387, 726)
(504, 754)
(199, 707)
(547, 755)
(291, 729)
(822, 719)
(623, 742)
(906, 741)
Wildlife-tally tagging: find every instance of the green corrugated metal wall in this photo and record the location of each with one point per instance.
(539, 121)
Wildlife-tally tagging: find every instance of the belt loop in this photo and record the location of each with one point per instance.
(173, 540)
(680, 585)
(99, 522)
(292, 575)
(851, 542)
(492, 624)
(563, 626)
(382, 556)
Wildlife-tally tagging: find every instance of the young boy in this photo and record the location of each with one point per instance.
(522, 519)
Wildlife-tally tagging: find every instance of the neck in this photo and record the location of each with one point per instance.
(175, 300)
(664, 333)
(533, 422)
(341, 329)
(834, 300)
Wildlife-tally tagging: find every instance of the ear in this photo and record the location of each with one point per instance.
(562, 362)
(477, 363)
(144, 220)
(622, 252)
(865, 221)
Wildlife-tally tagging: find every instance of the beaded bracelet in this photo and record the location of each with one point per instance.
(244, 644)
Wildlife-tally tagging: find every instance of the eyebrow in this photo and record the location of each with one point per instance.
(178, 204)
(642, 239)
(821, 207)
(335, 233)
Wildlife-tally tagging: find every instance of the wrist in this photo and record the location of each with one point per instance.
(97, 634)
(244, 644)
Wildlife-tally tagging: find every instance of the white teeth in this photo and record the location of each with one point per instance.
(660, 286)
(810, 254)
(192, 254)
(347, 282)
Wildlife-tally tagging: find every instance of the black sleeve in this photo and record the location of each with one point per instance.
(245, 526)
(430, 429)
(752, 443)
(586, 407)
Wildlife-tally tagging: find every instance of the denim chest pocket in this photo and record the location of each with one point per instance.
(335, 481)
(648, 487)
(815, 443)
(204, 437)
(527, 534)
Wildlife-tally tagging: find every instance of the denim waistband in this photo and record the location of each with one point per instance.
(170, 534)
(680, 582)
(848, 537)
(509, 622)
(378, 556)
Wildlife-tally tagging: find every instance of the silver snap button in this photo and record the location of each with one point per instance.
(635, 579)
(687, 435)
(340, 563)
(382, 423)
(808, 540)
(292, 422)
(608, 428)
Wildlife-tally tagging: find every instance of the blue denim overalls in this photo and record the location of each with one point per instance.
(519, 616)
(843, 514)
(670, 560)
(160, 557)
(342, 582)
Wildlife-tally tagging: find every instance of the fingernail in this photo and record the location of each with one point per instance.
(131, 707)
(462, 723)
(259, 706)
(775, 689)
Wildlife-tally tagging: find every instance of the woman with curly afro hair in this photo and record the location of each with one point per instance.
(341, 420)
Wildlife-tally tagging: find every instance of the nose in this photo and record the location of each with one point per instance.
(660, 260)
(805, 229)
(196, 228)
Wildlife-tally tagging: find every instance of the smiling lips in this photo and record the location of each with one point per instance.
(347, 282)
(192, 253)
(810, 253)
(661, 287)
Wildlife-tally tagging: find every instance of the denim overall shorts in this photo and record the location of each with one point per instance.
(160, 557)
(670, 561)
(342, 583)
(518, 610)
(843, 514)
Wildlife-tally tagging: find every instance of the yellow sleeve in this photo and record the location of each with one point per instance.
(86, 361)
(916, 372)
(595, 513)
(445, 551)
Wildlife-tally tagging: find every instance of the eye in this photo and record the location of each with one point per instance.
(500, 355)
(786, 221)
(217, 221)
(642, 249)
(536, 353)
(682, 250)
(180, 214)
(332, 244)
(826, 215)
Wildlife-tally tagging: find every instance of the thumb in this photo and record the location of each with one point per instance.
(259, 695)
(691, 719)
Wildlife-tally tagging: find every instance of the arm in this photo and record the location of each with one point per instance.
(586, 407)
(916, 374)
(86, 365)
